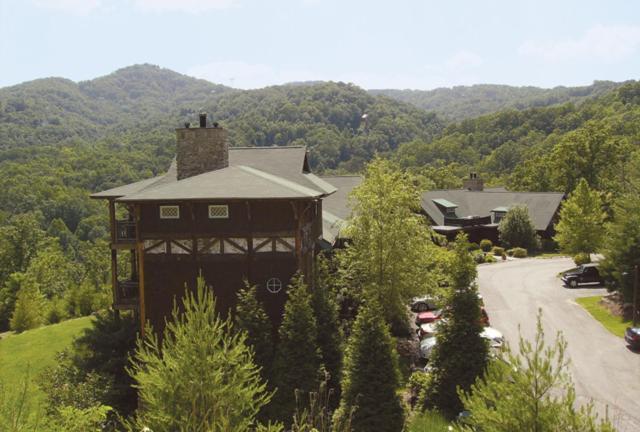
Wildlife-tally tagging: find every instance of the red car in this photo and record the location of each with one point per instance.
(428, 317)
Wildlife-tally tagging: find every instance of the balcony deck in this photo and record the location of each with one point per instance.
(126, 295)
(125, 234)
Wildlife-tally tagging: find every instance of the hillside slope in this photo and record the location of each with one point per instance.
(463, 102)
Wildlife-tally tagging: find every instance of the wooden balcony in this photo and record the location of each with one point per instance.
(126, 295)
(125, 232)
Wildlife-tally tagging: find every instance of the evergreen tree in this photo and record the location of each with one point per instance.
(580, 229)
(28, 310)
(253, 320)
(329, 334)
(529, 391)
(201, 377)
(297, 361)
(460, 354)
(622, 244)
(517, 230)
(370, 376)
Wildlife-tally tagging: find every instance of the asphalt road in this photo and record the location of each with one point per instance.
(603, 368)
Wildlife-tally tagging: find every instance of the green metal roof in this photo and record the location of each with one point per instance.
(444, 203)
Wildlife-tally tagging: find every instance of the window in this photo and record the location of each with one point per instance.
(497, 216)
(274, 285)
(170, 212)
(218, 212)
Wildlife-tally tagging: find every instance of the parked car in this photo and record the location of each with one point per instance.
(632, 337)
(429, 329)
(495, 338)
(423, 304)
(584, 274)
(428, 317)
(426, 347)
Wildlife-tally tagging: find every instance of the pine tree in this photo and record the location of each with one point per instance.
(297, 360)
(580, 229)
(329, 334)
(28, 310)
(201, 377)
(253, 320)
(460, 355)
(529, 391)
(370, 376)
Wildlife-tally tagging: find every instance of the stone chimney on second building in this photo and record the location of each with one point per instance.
(473, 183)
(201, 149)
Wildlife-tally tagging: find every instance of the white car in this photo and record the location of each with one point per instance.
(495, 338)
(426, 347)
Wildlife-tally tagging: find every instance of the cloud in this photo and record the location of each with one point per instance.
(75, 7)
(243, 75)
(602, 43)
(191, 6)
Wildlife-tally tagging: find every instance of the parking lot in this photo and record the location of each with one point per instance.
(603, 368)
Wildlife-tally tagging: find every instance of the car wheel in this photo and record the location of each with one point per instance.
(573, 283)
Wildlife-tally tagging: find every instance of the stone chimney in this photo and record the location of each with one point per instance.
(473, 183)
(202, 149)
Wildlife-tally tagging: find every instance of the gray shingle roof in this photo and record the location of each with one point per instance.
(541, 205)
(253, 173)
(335, 207)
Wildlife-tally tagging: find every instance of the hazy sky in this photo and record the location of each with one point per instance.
(419, 44)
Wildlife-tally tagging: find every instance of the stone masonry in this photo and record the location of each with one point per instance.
(201, 150)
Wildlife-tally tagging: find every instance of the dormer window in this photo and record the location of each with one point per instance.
(498, 214)
(169, 212)
(446, 207)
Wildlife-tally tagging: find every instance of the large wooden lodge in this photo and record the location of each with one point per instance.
(230, 214)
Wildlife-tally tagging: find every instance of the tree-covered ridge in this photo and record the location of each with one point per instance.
(327, 118)
(51, 110)
(548, 148)
(462, 102)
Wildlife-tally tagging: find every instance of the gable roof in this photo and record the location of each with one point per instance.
(335, 207)
(253, 173)
(542, 206)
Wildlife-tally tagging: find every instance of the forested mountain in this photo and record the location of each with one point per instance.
(463, 102)
(548, 148)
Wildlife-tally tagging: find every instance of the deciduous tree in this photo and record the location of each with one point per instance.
(516, 229)
(580, 229)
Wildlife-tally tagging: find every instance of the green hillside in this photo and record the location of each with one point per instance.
(463, 102)
(34, 350)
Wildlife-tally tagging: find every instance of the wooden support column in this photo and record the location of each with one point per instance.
(114, 255)
(140, 253)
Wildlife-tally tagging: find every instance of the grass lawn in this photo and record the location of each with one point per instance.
(614, 324)
(428, 421)
(34, 350)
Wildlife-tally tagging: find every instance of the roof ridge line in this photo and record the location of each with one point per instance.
(279, 180)
(265, 147)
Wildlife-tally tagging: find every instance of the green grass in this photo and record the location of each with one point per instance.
(428, 421)
(30, 352)
(614, 324)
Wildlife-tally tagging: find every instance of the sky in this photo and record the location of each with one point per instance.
(420, 44)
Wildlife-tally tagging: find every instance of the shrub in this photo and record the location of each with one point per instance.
(486, 245)
(55, 311)
(503, 256)
(519, 252)
(479, 257)
(489, 259)
(419, 382)
(548, 245)
(582, 258)
(509, 252)
(473, 247)
(497, 250)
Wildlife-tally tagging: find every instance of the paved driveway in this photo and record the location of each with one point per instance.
(603, 368)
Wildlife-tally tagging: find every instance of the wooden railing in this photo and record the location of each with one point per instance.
(125, 231)
(126, 295)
